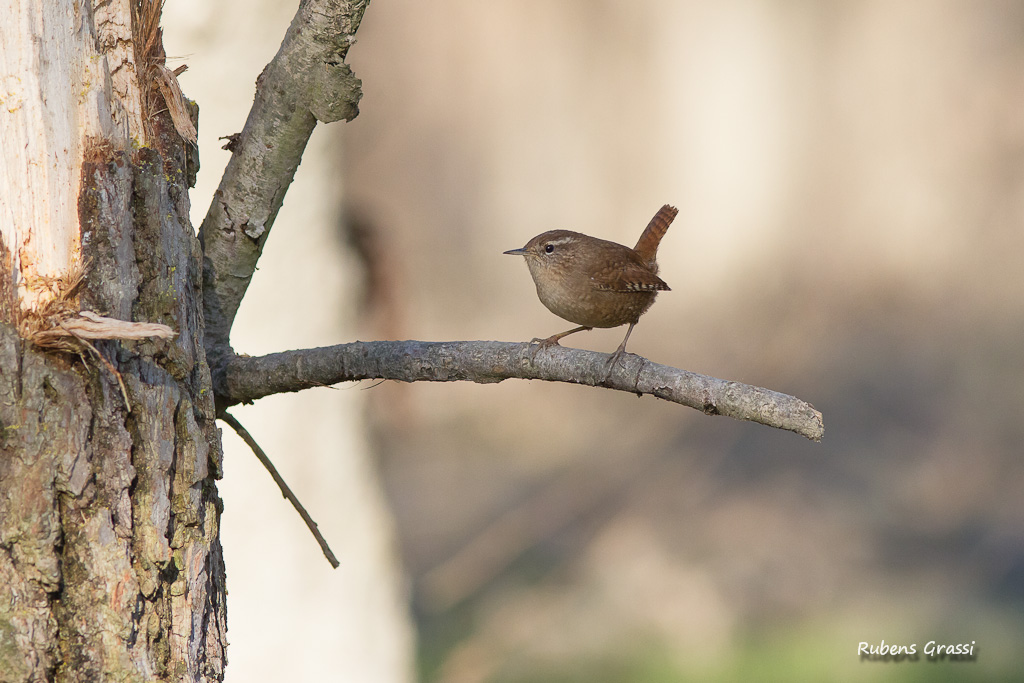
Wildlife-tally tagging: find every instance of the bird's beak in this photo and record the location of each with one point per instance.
(516, 252)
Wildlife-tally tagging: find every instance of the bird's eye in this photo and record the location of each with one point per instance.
(548, 248)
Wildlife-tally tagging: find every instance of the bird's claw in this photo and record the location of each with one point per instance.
(610, 365)
(541, 344)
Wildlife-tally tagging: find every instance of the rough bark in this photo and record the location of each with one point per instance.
(109, 550)
(110, 562)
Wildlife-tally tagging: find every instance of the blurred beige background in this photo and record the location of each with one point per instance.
(849, 178)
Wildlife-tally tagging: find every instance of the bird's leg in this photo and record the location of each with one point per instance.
(553, 339)
(618, 352)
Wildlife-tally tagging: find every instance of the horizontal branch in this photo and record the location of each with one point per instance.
(250, 378)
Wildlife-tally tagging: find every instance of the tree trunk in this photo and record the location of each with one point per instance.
(110, 561)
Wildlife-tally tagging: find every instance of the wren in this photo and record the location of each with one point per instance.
(594, 282)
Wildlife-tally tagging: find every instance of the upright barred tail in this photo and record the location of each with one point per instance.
(647, 245)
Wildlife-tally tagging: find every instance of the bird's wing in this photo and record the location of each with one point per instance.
(630, 278)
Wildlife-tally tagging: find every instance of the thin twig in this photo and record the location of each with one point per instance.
(285, 491)
(103, 359)
(111, 368)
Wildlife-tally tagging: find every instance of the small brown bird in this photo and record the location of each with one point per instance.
(594, 282)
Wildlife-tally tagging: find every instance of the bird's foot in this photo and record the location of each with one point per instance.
(613, 361)
(610, 366)
(553, 339)
(543, 344)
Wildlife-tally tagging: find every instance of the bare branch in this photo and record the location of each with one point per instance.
(279, 480)
(249, 378)
(307, 81)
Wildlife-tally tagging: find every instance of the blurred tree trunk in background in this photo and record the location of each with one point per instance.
(306, 293)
